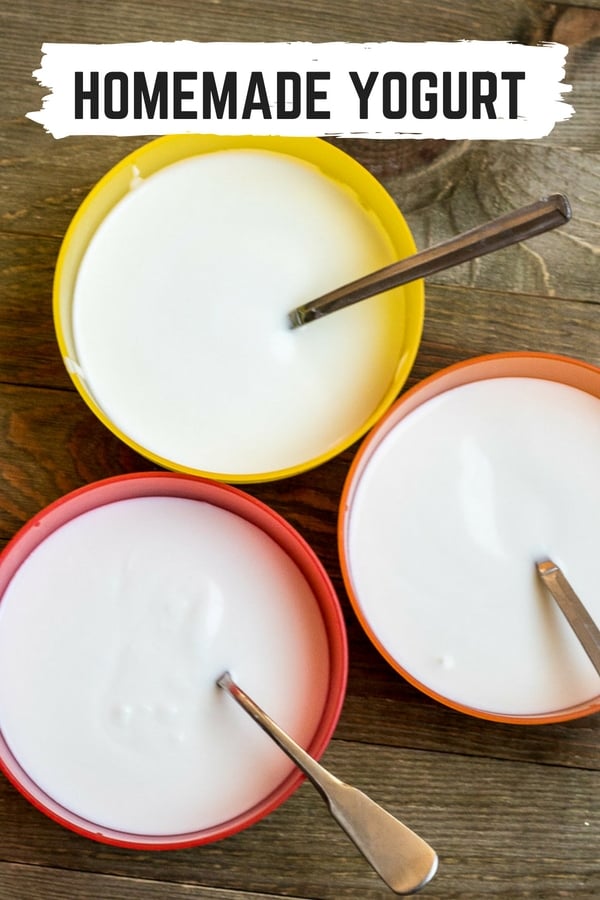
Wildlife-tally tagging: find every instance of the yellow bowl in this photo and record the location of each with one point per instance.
(400, 312)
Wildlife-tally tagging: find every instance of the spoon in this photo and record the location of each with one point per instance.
(508, 229)
(573, 609)
(402, 859)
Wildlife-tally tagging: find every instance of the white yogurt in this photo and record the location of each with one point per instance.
(451, 513)
(112, 634)
(180, 313)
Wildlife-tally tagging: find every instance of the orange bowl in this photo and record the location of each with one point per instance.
(442, 624)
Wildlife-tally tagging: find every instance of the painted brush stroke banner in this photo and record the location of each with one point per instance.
(479, 90)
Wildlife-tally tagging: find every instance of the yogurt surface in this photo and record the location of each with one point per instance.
(112, 635)
(180, 313)
(448, 518)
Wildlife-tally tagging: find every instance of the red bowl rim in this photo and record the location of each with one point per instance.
(285, 535)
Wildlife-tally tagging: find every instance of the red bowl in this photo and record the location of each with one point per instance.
(246, 507)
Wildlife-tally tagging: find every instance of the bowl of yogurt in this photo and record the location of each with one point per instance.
(172, 292)
(121, 604)
(472, 477)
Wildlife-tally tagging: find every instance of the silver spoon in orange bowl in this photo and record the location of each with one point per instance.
(572, 608)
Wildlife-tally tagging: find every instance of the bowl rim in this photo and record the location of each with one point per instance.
(139, 484)
(156, 154)
(555, 367)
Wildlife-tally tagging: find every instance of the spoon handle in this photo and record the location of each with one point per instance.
(400, 857)
(510, 228)
(573, 609)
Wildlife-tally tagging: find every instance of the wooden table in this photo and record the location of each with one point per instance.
(512, 810)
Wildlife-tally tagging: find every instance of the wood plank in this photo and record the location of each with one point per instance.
(461, 322)
(528, 20)
(527, 830)
(51, 444)
(405, 718)
(28, 348)
(579, 30)
(488, 179)
(18, 882)
(581, 4)
(49, 179)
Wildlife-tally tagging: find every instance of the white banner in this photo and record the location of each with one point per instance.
(477, 90)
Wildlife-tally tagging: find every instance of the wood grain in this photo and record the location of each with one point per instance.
(553, 808)
(19, 882)
(512, 810)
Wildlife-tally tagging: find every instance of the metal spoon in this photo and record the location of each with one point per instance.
(403, 859)
(573, 609)
(511, 228)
